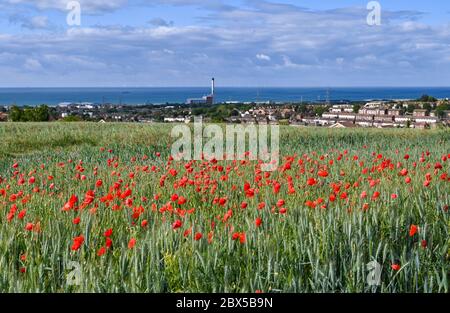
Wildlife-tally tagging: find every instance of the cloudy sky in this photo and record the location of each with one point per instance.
(240, 42)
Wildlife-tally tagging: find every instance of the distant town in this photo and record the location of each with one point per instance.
(426, 112)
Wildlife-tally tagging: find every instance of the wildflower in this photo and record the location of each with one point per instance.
(108, 233)
(22, 214)
(76, 221)
(395, 267)
(177, 224)
(77, 242)
(258, 222)
(131, 243)
(198, 236)
(101, 251)
(413, 230)
(323, 173)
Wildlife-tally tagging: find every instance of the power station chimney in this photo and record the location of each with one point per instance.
(212, 87)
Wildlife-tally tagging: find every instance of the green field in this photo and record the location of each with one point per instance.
(350, 197)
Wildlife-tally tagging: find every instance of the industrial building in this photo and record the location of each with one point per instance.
(207, 100)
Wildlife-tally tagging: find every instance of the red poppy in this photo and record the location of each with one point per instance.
(131, 243)
(413, 230)
(22, 214)
(280, 203)
(198, 236)
(395, 267)
(77, 242)
(177, 224)
(101, 251)
(322, 173)
(108, 233)
(258, 222)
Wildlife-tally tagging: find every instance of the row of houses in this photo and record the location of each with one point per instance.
(380, 115)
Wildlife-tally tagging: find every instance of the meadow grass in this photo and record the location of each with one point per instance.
(321, 249)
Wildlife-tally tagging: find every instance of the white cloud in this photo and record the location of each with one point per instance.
(263, 57)
(89, 6)
(261, 43)
(32, 65)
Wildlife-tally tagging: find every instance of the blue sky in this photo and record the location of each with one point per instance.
(240, 42)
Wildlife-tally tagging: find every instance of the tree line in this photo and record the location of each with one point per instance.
(41, 113)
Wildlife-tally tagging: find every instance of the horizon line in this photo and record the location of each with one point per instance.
(260, 87)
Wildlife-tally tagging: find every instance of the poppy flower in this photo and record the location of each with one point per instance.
(76, 221)
(198, 236)
(177, 224)
(395, 267)
(101, 251)
(413, 230)
(258, 222)
(29, 226)
(108, 233)
(77, 242)
(323, 173)
(144, 223)
(131, 243)
(280, 203)
(22, 214)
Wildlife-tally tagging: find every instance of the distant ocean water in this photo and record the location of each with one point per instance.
(134, 96)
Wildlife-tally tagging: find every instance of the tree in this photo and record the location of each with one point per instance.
(41, 113)
(15, 114)
(427, 107)
(427, 98)
(356, 108)
(319, 110)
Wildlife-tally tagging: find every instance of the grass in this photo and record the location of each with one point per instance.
(320, 249)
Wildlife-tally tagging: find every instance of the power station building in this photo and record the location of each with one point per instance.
(207, 100)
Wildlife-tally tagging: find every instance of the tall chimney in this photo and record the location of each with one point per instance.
(212, 87)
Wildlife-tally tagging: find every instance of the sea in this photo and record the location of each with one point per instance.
(176, 95)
